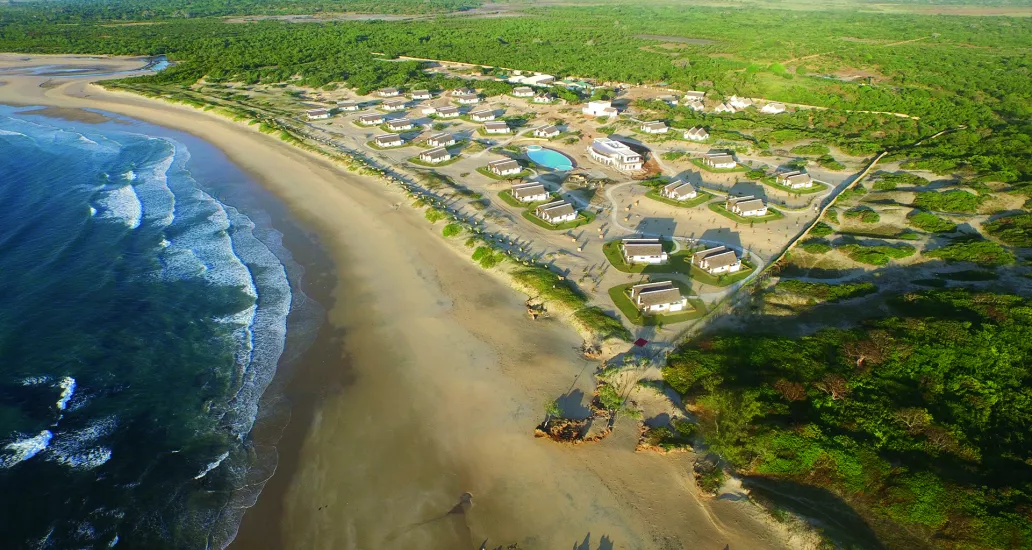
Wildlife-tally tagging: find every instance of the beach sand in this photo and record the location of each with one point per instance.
(440, 382)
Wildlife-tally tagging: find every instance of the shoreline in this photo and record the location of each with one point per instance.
(443, 392)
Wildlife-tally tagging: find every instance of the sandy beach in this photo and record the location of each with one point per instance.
(440, 382)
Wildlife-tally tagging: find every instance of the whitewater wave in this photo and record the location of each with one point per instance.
(122, 204)
(23, 449)
(212, 465)
(79, 449)
(67, 385)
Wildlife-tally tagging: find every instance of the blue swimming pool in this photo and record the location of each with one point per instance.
(549, 158)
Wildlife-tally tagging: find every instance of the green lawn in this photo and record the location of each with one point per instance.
(703, 197)
(507, 198)
(584, 217)
(623, 302)
(772, 214)
(420, 162)
(704, 166)
(615, 256)
(483, 170)
(771, 181)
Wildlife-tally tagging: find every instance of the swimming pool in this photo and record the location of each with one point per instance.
(549, 158)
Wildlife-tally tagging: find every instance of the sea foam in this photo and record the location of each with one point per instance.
(67, 385)
(121, 203)
(21, 450)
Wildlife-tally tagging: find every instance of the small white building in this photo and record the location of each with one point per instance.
(523, 91)
(317, 114)
(539, 80)
(388, 92)
(443, 139)
(389, 140)
(599, 108)
(529, 192)
(656, 127)
(482, 116)
(720, 161)
(747, 206)
(661, 297)
(696, 106)
(371, 120)
(679, 191)
(394, 105)
(739, 103)
(613, 153)
(504, 167)
(421, 94)
(795, 180)
(435, 155)
(695, 96)
(348, 105)
(723, 108)
(643, 251)
(773, 108)
(429, 110)
(716, 260)
(547, 132)
(448, 112)
(556, 212)
(399, 124)
(544, 98)
(696, 134)
(499, 127)
(466, 97)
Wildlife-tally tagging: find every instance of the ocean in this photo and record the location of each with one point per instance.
(142, 317)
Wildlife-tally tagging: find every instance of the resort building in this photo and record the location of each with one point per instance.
(435, 155)
(723, 108)
(747, 206)
(499, 127)
(544, 98)
(348, 105)
(388, 92)
(773, 108)
(657, 127)
(389, 140)
(719, 259)
(371, 120)
(465, 96)
(668, 99)
(795, 180)
(696, 134)
(440, 140)
(448, 112)
(546, 132)
(539, 80)
(696, 106)
(556, 212)
(529, 192)
(643, 251)
(661, 297)
(504, 167)
(428, 111)
(679, 191)
(720, 161)
(459, 92)
(317, 114)
(599, 108)
(394, 105)
(482, 116)
(421, 94)
(399, 124)
(523, 91)
(613, 153)
(695, 96)
(739, 103)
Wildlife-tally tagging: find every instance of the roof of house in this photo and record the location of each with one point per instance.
(798, 178)
(388, 90)
(735, 200)
(394, 102)
(365, 118)
(447, 110)
(497, 125)
(751, 205)
(655, 125)
(698, 131)
(398, 122)
(503, 164)
(720, 158)
(547, 130)
(389, 138)
(527, 190)
(437, 152)
(703, 254)
(556, 209)
(643, 287)
(642, 248)
(347, 103)
(482, 113)
(523, 90)
(695, 93)
(609, 147)
(722, 259)
(679, 188)
(443, 136)
(662, 296)
(317, 112)
(420, 92)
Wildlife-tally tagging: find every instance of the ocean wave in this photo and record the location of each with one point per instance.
(152, 189)
(122, 204)
(23, 449)
(11, 133)
(67, 385)
(78, 449)
(212, 465)
(35, 380)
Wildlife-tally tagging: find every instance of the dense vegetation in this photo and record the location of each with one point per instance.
(984, 253)
(877, 255)
(826, 292)
(1014, 230)
(926, 221)
(888, 181)
(918, 420)
(953, 200)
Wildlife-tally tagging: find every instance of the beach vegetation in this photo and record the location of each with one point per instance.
(863, 214)
(816, 246)
(825, 292)
(926, 221)
(451, 230)
(434, 215)
(1015, 230)
(983, 253)
(877, 255)
(821, 229)
(889, 181)
(954, 200)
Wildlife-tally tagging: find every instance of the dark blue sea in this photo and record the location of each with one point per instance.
(141, 320)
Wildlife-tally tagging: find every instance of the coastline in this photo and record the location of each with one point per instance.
(443, 390)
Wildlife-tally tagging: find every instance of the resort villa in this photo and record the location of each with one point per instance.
(440, 140)
(504, 167)
(720, 161)
(556, 212)
(773, 108)
(523, 91)
(399, 124)
(716, 260)
(318, 114)
(746, 207)
(679, 191)
(529, 192)
(429, 110)
(544, 98)
(643, 251)
(388, 92)
(482, 116)
(539, 80)
(465, 96)
(499, 127)
(448, 112)
(421, 94)
(695, 96)
(613, 153)
(657, 127)
(795, 180)
(348, 105)
(696, 134)
(723, 108)
(394, 105)
(546, 132)
(661, 297)
(696, 106)
(389, 140)
(371, 120)
(739, 103)
(599, 108)
(435, 155)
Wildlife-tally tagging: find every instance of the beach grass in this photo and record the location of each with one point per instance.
(548, 286)
(703, 197)
(619, 295)
(584, 217)
(772, 214)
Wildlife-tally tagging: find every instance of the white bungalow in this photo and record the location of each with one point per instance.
(556, 212)
(504, 167)
(435, 155)
(544, 98)
(443, 139)
(482, 116)
(795, 180)
(720, 161)
(539, 80)
(399, 124)
(599, 108)
(465, 97)
(661, 297)
(421, 94)
(773, 108)
(696, 106)
(723, 108)
(695, 96)
(696, 134)
(716, 260)
(613, 153)
(739, 103)
(389, 140)
(523, 91)
(348, 105)
(388, 92)
(547, 132)
(448, 112)
(394, 105)
(371, 120)
(317, 114)
(679, 191)
(643, 251)
(748, 206)
(429, 110)
(499, 127)
(657, 127)
(529, 192)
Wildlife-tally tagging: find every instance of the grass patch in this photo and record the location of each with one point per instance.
(862, 214)
(772, 214)
(821, 229)
(983, 253)
(704, 166)
(877, 255)
(853, 193)
(523, 173)
(926, 221)
(888, 181)
(1014, 230)
(584, 217)
(954, 200)
(723, 279)
(816, 246)
(451, 230)
(624, 304)
(825, 292)
(816, 148)
(701, 198)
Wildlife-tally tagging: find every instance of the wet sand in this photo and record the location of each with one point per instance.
(440, 382)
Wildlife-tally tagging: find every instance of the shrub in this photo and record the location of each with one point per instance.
(815, 148)
(984, 253)
(434, 215)
(926, 221)
(853, 193)
(863, 214)
(832, 215)
(954, 200)
(756, 174)
(1014, 230)
(821, 229)
(816, 246)
(451, 230)
(825, 291)
(672, 155)
(829, 162)
(608, 397)
(887, 181)
(877, 255)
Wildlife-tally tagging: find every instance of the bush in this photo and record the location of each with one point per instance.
(984, 253)
(816, 246)
(821, 229)
(887, 181)
(926, 221)
(863, 214)
(756, 174)
(672, 155)
(1014, 230)
(827, 292)
(829, 162)
(434, 215)
(451, 230)
(486, 257)
(948, 201)
(815, 148)
(853, 193)
(608, 397)
(877, 255)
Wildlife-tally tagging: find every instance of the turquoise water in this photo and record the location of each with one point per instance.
(143, 317)
(549, 158)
